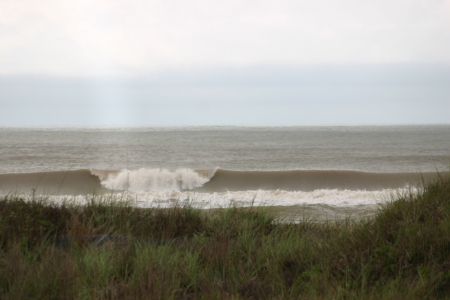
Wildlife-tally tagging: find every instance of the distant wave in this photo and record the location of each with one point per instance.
(76, 182)
(143, 180)
(305, 180)
(79, 182)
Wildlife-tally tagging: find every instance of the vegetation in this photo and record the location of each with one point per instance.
(234, 253)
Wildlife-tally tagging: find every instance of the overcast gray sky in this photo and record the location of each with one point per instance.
(224, 62)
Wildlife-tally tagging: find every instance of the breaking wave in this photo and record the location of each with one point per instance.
(217, 188)
(143, 180)
(81, 182)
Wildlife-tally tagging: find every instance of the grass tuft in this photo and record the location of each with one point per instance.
(109, 250)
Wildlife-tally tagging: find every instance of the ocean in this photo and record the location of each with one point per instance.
(328, 168)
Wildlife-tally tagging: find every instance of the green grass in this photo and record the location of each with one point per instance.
(233, 253)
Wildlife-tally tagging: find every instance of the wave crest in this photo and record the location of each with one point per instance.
(143, 180)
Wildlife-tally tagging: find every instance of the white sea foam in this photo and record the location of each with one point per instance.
(143, 180)
(334, 197)
(331, 197)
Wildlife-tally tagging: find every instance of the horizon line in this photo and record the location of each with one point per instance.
(228, 125)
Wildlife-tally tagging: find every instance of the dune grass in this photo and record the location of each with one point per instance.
(233, 253)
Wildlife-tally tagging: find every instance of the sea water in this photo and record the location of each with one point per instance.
(326, 166)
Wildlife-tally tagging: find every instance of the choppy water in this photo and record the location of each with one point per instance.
(330, 165)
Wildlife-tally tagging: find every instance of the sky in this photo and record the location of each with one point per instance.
(199, 62)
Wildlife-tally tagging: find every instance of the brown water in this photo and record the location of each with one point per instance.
(340, 167)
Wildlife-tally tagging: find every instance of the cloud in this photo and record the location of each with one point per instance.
(105, 38)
